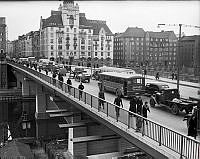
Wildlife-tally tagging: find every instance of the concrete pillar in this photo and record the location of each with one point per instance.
(40, 113)
(3, 75)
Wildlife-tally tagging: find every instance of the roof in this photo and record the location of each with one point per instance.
(97, 25)
(162, 34)
(188, 38)
(55, 20)
(16, 149)
(133, 32)
(83, 22)
(121, 75)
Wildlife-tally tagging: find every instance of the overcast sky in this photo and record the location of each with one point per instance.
(24, 16)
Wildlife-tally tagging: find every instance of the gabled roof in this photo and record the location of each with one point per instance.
(83, 22)
(133, 32)
(97, 25)
(55, 20)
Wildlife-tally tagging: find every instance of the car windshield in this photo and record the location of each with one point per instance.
(165, 86)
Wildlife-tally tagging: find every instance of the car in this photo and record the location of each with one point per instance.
(170, 97)
(83, 77)
(153, 87)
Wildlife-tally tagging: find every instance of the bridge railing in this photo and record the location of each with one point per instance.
(181, 144)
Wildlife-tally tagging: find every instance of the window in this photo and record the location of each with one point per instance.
(51, 53)
(59, 47)
(51, 41)
(108, 53)
(52, 35)
(82, 47)
(82, 53)
(59, 40)
(60, 53)
(74, 53)
(89, 53)
(82, 41)
(51, 28)
(75, 30)
(67, 29)
(101, 53)
(89, 31)
(51, 47)
(95, 53)
(89, 47)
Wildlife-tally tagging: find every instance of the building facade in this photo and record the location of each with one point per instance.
(2, 34)
(190, 54)
(68, 35)
(137, 48)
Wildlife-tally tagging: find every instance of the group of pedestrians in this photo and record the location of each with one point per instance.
(137, 106)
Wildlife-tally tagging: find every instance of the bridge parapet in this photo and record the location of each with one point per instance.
(165, 142)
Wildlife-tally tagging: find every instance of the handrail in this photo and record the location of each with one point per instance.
(183, 145)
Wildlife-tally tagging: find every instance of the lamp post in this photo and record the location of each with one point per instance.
(26, 124)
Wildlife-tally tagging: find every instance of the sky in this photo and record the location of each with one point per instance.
(24, 16)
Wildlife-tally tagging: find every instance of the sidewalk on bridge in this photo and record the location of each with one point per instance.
(185, 83)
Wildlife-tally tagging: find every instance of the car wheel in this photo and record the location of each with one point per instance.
(152, 102)
(174, 109)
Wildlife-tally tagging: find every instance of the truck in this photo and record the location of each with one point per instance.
(170, 97)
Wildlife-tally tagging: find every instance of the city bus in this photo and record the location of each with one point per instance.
(116, 69)
(127, 84)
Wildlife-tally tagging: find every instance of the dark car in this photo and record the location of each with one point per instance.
(153, 87)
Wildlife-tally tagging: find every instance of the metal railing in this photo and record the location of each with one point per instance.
(179, 143)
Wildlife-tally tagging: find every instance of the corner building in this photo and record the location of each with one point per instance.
(68, 36)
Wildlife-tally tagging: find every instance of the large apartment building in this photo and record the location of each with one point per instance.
(135, 47)
(190, 54)
(68, 35)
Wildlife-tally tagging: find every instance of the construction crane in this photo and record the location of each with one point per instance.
(178, 54)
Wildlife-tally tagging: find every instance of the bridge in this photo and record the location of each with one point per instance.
(59, 111)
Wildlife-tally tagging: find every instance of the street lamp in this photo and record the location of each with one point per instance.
(26, 124)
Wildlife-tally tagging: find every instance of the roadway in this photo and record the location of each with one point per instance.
(160, 114)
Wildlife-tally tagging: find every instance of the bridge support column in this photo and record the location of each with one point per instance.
(40, 113)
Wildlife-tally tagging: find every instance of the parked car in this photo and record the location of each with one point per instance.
(83, 77)
(153, 87)
(171, 98)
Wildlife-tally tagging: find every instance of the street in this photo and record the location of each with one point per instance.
(160, 114)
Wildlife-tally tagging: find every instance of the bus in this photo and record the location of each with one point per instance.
(127, 84)
(116, 69)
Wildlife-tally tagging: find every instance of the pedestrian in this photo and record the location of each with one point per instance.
(138, 123)
(80, 87)
(54, 77)
(192, 126)
(46, 72)
(69, 83)
(157, 76)
(139, 105)
(101, 96)
(145, 108)
(118, 102)
(133, 104)
(60, 78)
(173, 75)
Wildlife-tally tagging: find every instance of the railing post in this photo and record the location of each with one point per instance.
(85, 97)
(107, 109)
(181, 153)
(160, 135)
(129, 116)
(74, 92)
(91, 101)
(143, 126)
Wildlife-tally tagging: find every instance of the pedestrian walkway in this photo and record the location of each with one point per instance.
(183, 83)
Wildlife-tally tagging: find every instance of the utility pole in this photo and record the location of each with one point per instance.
(178, 53)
